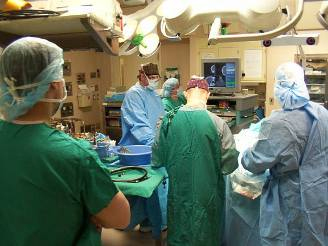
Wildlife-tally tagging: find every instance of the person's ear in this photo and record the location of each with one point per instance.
(53, 89)
(55, 85)
(139, 75)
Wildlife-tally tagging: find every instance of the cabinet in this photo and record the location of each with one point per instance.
(315, 76)
(236, 110)
(113, 120)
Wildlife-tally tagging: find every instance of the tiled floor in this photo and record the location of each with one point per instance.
(112, 237)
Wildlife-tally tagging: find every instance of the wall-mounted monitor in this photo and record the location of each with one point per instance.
(222, 75)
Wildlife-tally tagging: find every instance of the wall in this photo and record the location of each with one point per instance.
(88, 62)
(130, 65)
(171, 54)
(176, 54)
(199, 49)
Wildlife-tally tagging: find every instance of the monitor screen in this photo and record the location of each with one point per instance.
(222, 74)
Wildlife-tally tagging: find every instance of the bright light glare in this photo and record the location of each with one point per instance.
(172, 8)
(261, 6)
(150, 44)
(147, 25)
(128, 30)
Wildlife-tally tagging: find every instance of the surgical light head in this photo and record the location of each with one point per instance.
(290, 88)
(27, 67)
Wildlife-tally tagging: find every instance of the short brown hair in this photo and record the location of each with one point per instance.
(150, 69)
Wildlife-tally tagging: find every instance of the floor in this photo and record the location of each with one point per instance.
(112, 237)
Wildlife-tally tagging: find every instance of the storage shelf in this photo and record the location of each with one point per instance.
(315, 75)
(113, 105)
(113, 127)
(316, 93)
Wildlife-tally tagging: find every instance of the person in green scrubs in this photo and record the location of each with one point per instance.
(171, 96)
(54, 189)
(197, 149)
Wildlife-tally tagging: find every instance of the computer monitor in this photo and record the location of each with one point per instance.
(222, 75)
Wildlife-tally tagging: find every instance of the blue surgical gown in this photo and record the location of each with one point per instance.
(294, 202)
(242, 216)
(141, 110)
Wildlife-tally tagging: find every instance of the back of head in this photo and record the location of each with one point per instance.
(169, 85)
(197, 91)
(27, 67)
(198, 82)
(290, 88)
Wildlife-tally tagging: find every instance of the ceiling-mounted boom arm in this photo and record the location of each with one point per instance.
(260, 36)
(322, 15)
(261, 20)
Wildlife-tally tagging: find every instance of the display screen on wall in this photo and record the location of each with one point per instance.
(222, 74)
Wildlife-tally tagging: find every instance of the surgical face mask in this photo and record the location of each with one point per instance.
(59, 101)
(153, 83)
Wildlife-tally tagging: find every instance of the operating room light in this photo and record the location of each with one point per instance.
(129, 29)
(149, 44)
(172, 8)
(147, 25)
(178, 18)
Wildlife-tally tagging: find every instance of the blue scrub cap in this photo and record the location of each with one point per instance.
(290, 88)
(27, 67)
(169, 85)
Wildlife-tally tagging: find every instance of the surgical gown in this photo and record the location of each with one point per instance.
(50, 186)
(140, 113)
(141, 110)
(294, 202)
(241, 219)
(197, 148)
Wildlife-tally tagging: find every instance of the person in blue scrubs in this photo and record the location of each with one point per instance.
(293, 146)
(140, 112)
(243, 191)
(142, 108)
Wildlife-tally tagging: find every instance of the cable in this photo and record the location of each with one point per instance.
(120, 171)
(26, 13)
